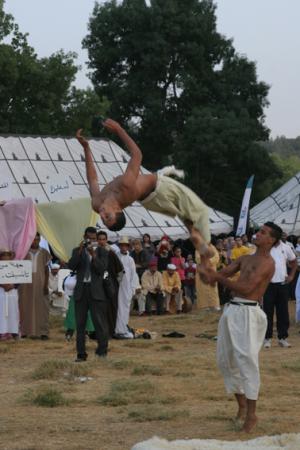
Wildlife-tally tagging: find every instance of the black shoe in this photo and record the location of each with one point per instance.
(81, 357)
(44, 337)
(101, 355)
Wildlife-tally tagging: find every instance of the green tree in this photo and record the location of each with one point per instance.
(37, 95)
(192, 99)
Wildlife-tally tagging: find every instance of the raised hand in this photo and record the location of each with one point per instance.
(81, 139)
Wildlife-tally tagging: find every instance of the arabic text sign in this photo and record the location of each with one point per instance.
(59, 188)
(15, 272)
(5, 190)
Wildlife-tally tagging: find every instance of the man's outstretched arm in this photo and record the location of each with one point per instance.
(91, 173)
(133, 168)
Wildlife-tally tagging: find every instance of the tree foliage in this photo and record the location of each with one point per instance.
(36, 94)
(188, 96)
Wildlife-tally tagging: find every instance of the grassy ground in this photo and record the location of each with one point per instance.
(165, 387)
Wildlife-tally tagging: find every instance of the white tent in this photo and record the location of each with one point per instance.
(281, 207)
(53, 169)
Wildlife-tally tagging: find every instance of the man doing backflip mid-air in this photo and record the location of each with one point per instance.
(155, 191)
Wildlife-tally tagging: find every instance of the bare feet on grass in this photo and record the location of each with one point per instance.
(249, 423)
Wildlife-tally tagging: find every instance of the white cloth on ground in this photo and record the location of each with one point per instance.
(127, 287)
(9, 311)
(241, 334)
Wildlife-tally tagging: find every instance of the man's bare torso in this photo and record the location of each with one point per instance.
(250, 267)
(122, 193)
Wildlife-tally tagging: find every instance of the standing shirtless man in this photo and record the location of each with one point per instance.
(243, 324)
(154, 191)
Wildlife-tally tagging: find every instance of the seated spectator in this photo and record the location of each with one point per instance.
(9, 304)
(140, 257)
(172, 287)
(190, 280)
(152, 288)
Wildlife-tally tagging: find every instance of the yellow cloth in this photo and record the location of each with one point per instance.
(63, 224)
(174, 199)
(236, 252)
(169, 282)
(207, 295)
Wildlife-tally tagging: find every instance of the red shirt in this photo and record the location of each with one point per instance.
(179, 263)
(190, 275)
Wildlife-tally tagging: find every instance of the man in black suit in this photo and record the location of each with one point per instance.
(90, 262)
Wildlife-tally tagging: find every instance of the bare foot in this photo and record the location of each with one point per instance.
(249, 423)
(241, 414)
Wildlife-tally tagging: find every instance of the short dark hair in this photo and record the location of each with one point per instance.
(101, 233)
(276, 231)
(90, 230)
(119, 223)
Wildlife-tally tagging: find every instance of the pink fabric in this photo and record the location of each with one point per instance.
(179, 263)
(17, 226)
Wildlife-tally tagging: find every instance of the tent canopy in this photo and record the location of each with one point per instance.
(53, 169)
(282, 207)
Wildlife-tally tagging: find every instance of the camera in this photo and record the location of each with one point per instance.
(86, 242)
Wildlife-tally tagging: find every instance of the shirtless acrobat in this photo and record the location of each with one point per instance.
(155, 192)
(243, 324)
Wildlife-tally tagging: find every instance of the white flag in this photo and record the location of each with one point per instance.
(242, 225)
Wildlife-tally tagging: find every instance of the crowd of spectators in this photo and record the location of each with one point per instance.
(164, 278)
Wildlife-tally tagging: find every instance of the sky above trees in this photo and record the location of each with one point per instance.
(267, 32)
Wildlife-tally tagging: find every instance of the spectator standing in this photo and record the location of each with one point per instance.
(140, 257)
(115, 269)
(179, 261)
(33, 298)
(9, 303)
(190, 279)
(207, 295)
(148, 246)
(127, 288)
(90, 262)
(277, 293)
(164, 254)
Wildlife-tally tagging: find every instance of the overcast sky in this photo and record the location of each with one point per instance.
(267, 31)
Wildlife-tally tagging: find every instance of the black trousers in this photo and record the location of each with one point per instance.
(277, 297)
(158, 298)
(99, 317)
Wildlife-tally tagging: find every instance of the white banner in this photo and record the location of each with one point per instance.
(59, 188)
(242, 225)
(15, 272)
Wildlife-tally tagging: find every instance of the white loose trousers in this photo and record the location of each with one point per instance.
(241, 334)
(9, 311)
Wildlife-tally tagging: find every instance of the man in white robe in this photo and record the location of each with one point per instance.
(127, 288)
(9, 302)
(57, 298)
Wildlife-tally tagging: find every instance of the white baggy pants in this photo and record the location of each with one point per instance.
(241, 334)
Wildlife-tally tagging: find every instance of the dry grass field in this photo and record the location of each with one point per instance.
(165, 387)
